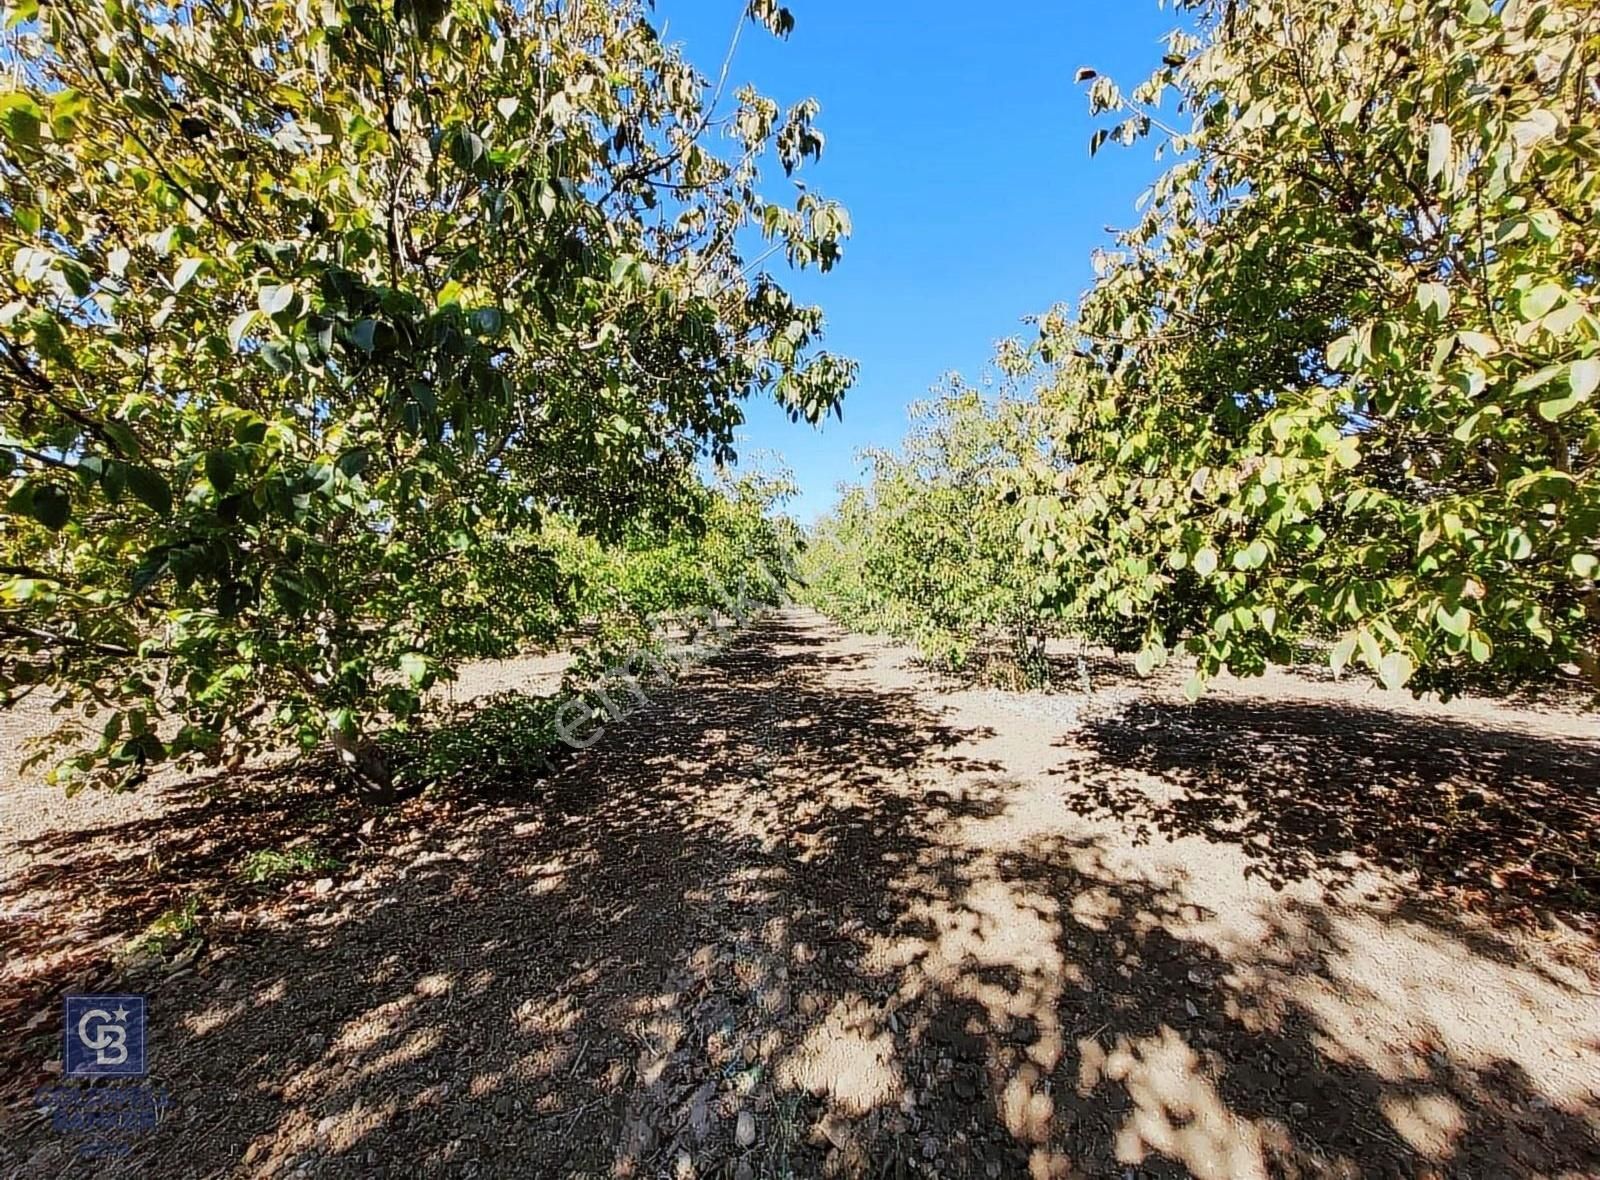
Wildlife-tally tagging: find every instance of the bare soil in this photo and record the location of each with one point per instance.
(815, 912)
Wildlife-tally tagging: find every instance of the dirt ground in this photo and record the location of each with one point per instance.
(814, 912)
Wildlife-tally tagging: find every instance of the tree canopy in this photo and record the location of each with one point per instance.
(319, 313)
(927, 547)
(1336, 387)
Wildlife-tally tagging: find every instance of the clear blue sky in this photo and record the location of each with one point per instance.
(959, 142)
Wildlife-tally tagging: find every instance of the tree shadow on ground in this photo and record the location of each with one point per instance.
(1480, 815)
(91, 891)
(782, 894)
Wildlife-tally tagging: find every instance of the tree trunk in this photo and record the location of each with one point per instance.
(366, 760)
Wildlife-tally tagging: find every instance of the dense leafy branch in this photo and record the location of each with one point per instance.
(328, 323)
(1398, 456)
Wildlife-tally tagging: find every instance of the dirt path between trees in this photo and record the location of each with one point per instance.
(814, 913)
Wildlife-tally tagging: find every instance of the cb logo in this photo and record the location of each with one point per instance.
(104, 1037)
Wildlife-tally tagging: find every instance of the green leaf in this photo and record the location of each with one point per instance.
(1474, 424)
(1585, 565)
(151, 489)
(221, 470)
(20, 118)
(233, 598)
(1546, 224)
(414, 666)
(1370, 651)
(1252, 556)
(1205, 562)
(48, 503)
(467, 150)
(1456, 621)
(124, 439)
(353, 462)
(546, 199)
(1537, 379)
(1556, 408)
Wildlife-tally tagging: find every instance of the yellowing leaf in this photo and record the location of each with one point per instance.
(1396, 670)
(1370, 651)
(414, 666)
(1538, 126)
(1534, 380)
(1584, 377)
(241, 324)
(1438, 150)
(275, 298)
(187, 269)
(1537, 302)
(1556, 408)
(1434, 298)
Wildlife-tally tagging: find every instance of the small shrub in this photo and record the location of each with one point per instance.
(167, 933)
(267, 867)
(499, 742)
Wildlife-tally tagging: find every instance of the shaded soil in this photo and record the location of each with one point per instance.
(82, 876)
(811, 913)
